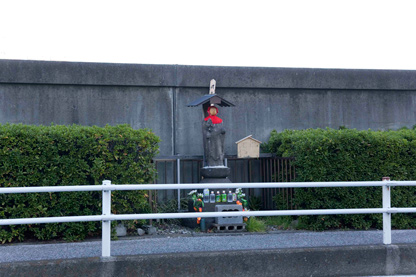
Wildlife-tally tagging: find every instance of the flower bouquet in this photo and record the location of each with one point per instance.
(197, 202)
(242, 201)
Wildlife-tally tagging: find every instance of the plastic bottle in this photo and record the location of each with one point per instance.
(212, 197)
(206, 195)
(218, 197)
(230, 197)
(223, 196)
(234, 197)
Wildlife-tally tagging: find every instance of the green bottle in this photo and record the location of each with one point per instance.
(218, 197)
(223, 196)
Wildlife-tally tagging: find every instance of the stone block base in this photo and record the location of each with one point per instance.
(228, 228)
(229, 219)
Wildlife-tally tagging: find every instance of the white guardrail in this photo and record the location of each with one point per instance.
(106, 217)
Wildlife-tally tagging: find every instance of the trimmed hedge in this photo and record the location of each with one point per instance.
(71, 156)
(350, 155)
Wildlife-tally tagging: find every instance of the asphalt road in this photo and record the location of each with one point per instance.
(199, 243)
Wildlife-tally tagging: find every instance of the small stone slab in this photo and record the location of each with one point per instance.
(150, 230)
(140, 232)
(121, 230)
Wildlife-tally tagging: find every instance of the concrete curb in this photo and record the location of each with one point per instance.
(324, 261)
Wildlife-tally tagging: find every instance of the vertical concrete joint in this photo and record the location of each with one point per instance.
(392, 259)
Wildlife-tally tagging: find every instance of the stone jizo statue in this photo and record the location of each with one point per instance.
(213, 135)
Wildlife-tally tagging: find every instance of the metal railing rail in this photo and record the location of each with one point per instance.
(106, 217)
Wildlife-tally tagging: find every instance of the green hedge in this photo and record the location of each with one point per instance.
(71, 156)
(350, 155)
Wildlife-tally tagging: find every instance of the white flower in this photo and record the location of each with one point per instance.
(237, 190)
(200, 195)
(243, 195)
(192, 192)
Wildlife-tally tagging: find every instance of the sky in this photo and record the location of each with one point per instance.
(294, 33)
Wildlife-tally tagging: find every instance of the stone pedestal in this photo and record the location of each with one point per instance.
(214, 175)
(218, 174)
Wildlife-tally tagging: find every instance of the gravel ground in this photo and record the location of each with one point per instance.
(169, 229)
(196, 242)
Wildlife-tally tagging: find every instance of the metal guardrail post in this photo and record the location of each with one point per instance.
(178, 168)
(106, 226)
(386, 215)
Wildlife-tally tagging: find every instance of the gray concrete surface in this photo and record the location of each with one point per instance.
(340, 253)
(113, 74)
(89, 105)
(155, 96)
(198, 242)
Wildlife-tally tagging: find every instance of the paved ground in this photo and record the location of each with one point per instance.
(198, 243)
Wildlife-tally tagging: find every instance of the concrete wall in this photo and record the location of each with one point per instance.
(371, 260)
(155, 96)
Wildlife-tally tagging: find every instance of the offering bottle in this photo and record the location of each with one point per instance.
(230, 197)
(206, 195)
(223, 196)
(212, 197)
(218, 197)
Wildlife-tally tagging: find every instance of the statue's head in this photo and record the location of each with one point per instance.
(212, 110)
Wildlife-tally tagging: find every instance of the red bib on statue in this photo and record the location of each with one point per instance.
(215, 119)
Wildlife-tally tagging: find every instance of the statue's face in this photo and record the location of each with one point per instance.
(212, 111)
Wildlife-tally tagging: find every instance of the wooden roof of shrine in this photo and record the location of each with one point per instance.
(211, 99)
